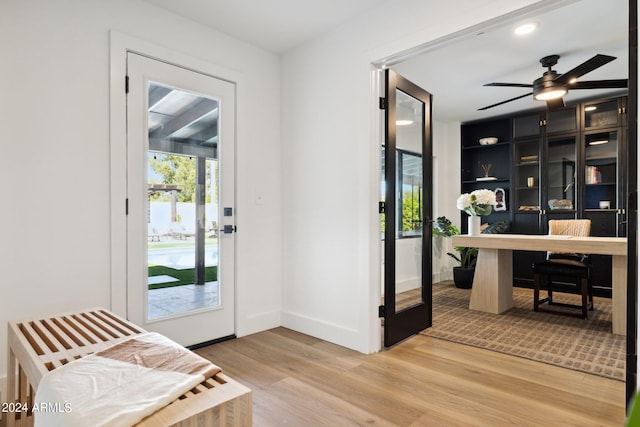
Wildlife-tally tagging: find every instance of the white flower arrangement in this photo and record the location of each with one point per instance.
(477, 203)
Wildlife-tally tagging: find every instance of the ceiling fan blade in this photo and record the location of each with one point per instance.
(584, 68)
(504, 102)
(600, 84)
(554, 104)
(509, 84)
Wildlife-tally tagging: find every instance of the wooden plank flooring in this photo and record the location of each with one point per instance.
(298, 380)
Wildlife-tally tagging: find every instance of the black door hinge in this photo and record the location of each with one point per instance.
(381, 207)
(381, 311)
(126, 206)
(383, 103)
(126, 84)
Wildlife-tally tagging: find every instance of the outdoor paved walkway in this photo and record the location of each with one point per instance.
(179, 299)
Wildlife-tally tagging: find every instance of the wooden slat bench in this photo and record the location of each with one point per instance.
(39, 346)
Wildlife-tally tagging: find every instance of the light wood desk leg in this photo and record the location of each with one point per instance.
(492, 283)
(619, 294)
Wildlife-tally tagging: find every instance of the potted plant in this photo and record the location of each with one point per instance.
(467, 257)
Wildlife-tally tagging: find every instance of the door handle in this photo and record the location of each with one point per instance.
(227, 229)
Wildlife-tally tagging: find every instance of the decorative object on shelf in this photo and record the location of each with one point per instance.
(476, 204)
(490, 140)
(501, 199)
(605, 204)
(528, 208)
(530, 182)
(529, 159)
(486, 168)
(560, 204)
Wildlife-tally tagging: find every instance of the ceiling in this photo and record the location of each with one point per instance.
(275, 25)
(454, 72)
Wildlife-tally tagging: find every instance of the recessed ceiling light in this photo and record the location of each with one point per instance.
(527, 28)
(403, 122)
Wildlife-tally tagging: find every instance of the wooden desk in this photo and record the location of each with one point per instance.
(493, 281)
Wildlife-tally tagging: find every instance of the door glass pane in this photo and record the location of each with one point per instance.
(561, 174)
(409, 200)
(182, 188)
(600, 175)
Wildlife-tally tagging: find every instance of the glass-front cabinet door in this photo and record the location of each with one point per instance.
(604, 139)
(602, 114)
(601, 170)
(527, 176)
(560, 174)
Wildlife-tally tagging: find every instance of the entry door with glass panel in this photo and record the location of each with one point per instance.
(407, 209)
(180, 185)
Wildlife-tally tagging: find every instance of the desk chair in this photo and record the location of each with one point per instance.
(576, 266)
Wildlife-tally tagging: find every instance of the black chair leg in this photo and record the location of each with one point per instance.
(536, 292)
(585, 297)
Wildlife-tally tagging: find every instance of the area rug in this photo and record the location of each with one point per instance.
(570, 342)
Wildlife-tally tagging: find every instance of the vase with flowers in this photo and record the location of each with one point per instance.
(476, 204)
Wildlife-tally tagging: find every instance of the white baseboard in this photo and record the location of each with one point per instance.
(258, 323)
(326, 331)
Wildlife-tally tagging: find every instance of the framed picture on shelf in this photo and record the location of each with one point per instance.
(501, 200)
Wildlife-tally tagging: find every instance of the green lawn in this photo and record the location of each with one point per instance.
(185, 276)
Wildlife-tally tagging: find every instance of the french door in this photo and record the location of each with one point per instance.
(180, 194)
(407, 209)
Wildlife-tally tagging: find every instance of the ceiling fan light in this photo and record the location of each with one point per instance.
(550, 93)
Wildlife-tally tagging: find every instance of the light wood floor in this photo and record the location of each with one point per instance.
(298, 380)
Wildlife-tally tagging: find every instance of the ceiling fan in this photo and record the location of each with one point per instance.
(551, 87)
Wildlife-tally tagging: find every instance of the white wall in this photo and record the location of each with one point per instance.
(55, 152)
(446, 189)
(330, 163)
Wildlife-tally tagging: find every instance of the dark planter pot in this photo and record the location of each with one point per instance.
(463, 277)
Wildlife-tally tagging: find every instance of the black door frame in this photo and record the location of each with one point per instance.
(632, 207)
(399, 325)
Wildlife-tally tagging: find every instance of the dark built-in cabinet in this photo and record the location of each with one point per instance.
(561, 164)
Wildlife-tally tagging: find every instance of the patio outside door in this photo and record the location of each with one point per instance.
(407, 210)
(181, 190)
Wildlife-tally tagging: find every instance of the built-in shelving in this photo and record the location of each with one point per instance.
(569, 156)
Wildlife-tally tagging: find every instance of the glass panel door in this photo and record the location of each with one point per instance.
(407, 216)
(181, 192)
